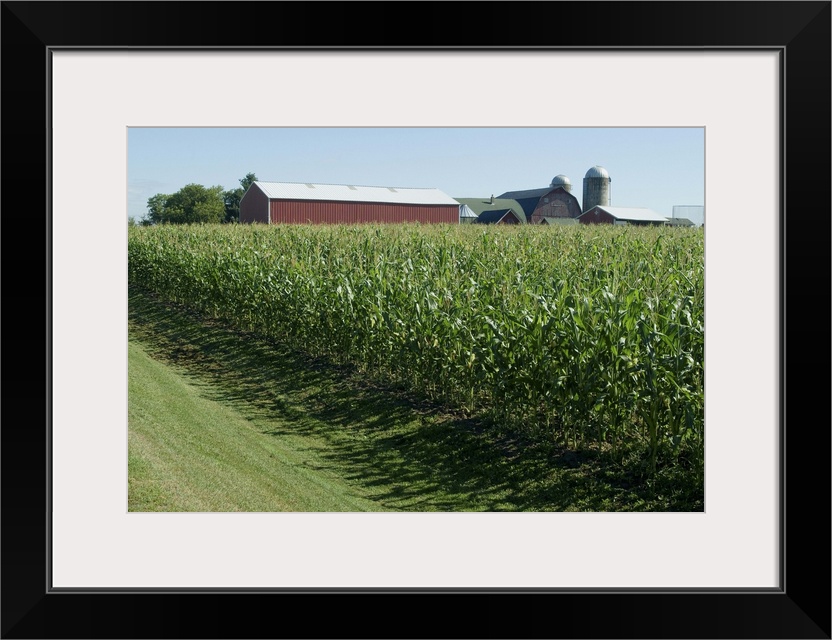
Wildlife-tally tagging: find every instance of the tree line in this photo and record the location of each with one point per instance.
(195, 203)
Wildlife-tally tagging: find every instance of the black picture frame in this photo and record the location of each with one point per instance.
(800, 608)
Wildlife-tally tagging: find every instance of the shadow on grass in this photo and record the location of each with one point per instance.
(405, 453)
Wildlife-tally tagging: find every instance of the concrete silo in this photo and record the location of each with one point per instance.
(596, 188)
(561, 180)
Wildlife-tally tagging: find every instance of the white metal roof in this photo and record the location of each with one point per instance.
(353, 193)
(639, 214)
(466, 212)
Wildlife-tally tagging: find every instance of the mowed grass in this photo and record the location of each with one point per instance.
(220, 420)
(188, 452)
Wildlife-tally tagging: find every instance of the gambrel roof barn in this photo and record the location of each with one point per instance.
(547, 202)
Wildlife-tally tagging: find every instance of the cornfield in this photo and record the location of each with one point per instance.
(584, 334)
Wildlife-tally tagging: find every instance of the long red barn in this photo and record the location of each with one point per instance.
(305, 203)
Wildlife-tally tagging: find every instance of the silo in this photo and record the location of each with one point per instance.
(561, 180)
(596, 188)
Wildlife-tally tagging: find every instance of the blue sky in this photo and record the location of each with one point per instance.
(655, 168)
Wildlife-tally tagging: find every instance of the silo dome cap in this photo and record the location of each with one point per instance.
(597, 172)
(559, 180)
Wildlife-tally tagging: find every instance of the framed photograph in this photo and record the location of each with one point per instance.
(754, 76)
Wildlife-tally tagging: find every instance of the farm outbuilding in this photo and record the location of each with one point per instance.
(304, 203)
(499, 216)
(484, 209)
(680, 222)
(622, 215)
(693, 212)
(561, 222)
(466, 214)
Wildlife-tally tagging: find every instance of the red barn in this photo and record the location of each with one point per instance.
(304, 203)
(621, 215)
(548, 202)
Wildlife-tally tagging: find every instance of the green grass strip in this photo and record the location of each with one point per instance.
(190, 453)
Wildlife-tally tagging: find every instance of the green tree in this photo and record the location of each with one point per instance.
(156, 207)
(193, 203)
(232, 198)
